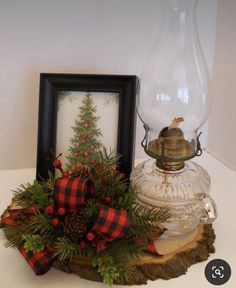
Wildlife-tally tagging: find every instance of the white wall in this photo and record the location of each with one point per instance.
(222, 123)
(72, 36)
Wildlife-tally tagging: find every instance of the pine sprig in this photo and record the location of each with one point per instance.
(146, 221)
(14, 236)
(90, 211)
(67, 249)
(40, 224)
(127, 200)
(32, 194)
(108, 160)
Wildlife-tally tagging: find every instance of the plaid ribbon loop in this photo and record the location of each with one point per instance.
(111, 223)
(71, 193)
(40, 262)
(11, 220)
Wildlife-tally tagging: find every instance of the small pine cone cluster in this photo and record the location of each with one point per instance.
(74, 226)
(80, 170)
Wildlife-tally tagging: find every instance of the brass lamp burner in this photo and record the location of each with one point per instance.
(171, 149)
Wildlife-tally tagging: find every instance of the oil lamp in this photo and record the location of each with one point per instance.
(173, 104)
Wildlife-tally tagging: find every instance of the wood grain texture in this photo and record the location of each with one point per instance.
(165, 267)
(151, 267)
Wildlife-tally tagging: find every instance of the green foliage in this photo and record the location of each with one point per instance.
(32, 194)
(67, 249)
(14, 236)
(127, 199)
(107, 180)
(106, 268)
(107, 160)
(34, 243)
(90, 211)
(118, 261)
(146, 221)
(40, 224)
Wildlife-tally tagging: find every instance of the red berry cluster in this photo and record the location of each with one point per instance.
(96, 242)
(50, 210)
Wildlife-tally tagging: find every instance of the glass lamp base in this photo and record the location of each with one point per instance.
(185, 192)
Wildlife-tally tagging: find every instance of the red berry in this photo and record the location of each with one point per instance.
(86, 153)
(77, 154)
(55, 221)
(101, 245)
(32, 210)
(65, 175)
(50, 209)
(61, 211)
(86, 125)
(84, 141)
(82, 244)
(94, 161)
(57, 164)
(107, 200)
(8, 222)
(90, 236)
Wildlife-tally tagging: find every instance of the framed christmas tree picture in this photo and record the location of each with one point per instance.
(82, 114)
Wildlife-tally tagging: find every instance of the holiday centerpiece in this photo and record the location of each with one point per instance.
(88, 220)
(89, 213)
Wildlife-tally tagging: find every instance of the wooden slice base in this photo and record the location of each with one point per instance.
(169, 266)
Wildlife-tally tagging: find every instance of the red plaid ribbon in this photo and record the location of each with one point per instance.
(11, 220)
(71, 193)
(111, 223)
(40, 262)
(150, 247)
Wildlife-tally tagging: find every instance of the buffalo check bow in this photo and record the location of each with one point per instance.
(111, 223)
(40, 262)
(71, 193)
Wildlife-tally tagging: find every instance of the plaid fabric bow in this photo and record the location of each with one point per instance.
(40, 262)
(150, 246)
(111, 223)
(71, 193)
(11, 220)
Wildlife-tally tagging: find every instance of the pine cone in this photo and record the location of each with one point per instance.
(74, 226)
(80, 170)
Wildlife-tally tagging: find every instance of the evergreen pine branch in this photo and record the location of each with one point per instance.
(40, 224)
(90, 211)
(127, 199)
(32, 194)
(66, 249)
(146, 221)
(109, 183)
(125, 250)
(14, 236)
(107, 159)
(48, 184)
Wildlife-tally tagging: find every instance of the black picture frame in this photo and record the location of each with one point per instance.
(51, 84)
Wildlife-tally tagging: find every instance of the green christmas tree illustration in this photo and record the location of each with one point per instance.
(85, 144)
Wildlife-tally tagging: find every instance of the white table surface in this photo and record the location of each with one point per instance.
(15, 272)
